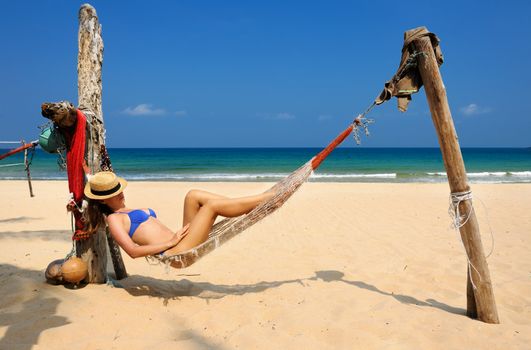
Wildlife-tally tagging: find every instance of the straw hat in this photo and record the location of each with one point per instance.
(104, 184)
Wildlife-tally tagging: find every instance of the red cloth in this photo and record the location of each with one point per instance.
(75, 157)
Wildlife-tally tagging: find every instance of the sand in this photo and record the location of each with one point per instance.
(340, 266)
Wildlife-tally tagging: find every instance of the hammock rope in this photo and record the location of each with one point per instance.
(24, 146)
(228, 228)
(29, 152)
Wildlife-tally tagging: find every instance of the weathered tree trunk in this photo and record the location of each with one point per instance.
(90, 59)
(116, 256)
(481, 298)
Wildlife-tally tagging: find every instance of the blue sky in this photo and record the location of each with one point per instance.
(269, 73)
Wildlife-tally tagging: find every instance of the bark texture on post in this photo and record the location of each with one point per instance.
(116, 256)
(90, 58)
(480, 299)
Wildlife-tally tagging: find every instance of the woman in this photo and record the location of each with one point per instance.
(140, 233)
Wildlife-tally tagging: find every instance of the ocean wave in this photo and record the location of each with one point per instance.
(521, 173)
(488, 174)
(39, 178)
(442, 173)
(427, 177)
(242, 177)
(353, 176)
(205, 177)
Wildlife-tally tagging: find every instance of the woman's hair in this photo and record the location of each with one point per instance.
(93, 215)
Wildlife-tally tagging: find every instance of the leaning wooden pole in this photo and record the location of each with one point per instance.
(90, 59)
(480, 297)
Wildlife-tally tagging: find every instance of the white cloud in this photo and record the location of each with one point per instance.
(143, 109)
(276, 116)
(284, 116)
(181, 113)
(473, 109)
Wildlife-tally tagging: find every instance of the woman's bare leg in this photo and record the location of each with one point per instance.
(193, 201)
(206, 215)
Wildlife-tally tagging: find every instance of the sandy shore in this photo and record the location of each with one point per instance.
(340, 266)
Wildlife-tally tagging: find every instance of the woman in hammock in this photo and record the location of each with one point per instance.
(140, 233)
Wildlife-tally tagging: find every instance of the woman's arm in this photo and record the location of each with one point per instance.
(134, 250)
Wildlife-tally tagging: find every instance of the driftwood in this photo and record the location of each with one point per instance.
(90, 59)
(480, 299)
(62, 113)
(116, 256)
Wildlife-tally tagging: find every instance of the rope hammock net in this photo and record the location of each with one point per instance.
(228, 228)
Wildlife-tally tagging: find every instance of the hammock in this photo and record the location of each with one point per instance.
(29, 151)
(24, 147)
(230, 227)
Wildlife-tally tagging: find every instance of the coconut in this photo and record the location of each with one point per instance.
(53, 272)
(74, 270)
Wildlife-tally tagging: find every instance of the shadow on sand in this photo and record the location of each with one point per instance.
(47, 235)
(173, 290)
(18, 219)
(25, 312)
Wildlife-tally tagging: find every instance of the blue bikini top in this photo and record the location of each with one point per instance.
(138, 217)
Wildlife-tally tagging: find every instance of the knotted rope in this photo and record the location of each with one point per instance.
(460, 219)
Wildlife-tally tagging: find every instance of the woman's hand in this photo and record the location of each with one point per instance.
(179, 235)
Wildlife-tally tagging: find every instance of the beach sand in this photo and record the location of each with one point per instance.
(340, 266)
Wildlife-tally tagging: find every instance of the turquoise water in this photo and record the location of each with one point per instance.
(271, 164)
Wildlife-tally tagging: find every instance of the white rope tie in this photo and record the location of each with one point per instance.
(455, 199)
(459, 221)
(490, 228)
(71, 201)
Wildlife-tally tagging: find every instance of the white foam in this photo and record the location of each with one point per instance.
(520, 173)
(206, 177)
(477, 177)
(349, 176)
(487, 174)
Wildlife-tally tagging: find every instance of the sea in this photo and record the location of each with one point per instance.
(483, 165)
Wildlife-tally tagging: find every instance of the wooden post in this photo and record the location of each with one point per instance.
(116, 256)
(90, 59)
(28, 174)
(480, 299)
